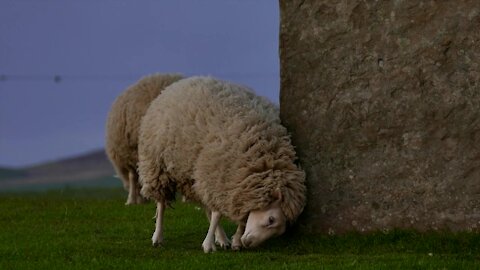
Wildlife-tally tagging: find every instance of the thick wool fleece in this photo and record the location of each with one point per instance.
(220, 145)
(123, 123)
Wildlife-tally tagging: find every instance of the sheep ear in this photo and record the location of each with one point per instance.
(277, 194)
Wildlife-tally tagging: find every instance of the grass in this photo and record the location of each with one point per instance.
(92, 229)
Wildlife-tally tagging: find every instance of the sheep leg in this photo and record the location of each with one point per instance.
(221, 238)
(209, 243)
(139, 198)
(157, 237)
(220, 235)
(236, 242)
(132, 192)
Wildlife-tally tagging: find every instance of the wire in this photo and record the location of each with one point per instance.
(57, 78)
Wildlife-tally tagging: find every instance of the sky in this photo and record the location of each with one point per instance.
(63, 62)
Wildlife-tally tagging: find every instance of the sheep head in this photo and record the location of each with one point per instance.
(264, 224)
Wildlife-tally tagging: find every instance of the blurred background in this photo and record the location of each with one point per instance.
(62, 63)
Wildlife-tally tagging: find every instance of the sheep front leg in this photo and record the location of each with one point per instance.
(157, 237)
(220, 235)
(236, 238)
(209, 242)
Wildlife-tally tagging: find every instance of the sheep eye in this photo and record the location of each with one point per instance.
(271, 220)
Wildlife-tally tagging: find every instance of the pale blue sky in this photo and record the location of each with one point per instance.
(99, 47)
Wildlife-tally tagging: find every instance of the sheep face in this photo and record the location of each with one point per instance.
(264, 224)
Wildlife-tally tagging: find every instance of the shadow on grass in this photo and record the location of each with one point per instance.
(463, 244)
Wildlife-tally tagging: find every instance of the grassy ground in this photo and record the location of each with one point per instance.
(85, 229)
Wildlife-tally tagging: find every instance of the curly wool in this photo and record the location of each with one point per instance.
(124, 118)
(220, 145)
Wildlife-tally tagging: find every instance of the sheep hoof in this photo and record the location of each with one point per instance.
(223, 243)
(129, 202)
(225, 246)
(156, 244)
(140, 200)
(157, 240)
(236, 243)
(208, 247)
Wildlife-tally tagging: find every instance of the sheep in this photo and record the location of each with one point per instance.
(223, 147)
(123, 124)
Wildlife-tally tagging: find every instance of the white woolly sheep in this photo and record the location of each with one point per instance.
(123, 126)
(224, 147)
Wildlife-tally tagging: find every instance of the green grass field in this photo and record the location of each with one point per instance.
(92, 229)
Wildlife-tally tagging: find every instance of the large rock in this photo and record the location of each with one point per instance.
(383, 102)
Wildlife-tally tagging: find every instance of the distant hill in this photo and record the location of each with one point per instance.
(7, 173)
(90, 169)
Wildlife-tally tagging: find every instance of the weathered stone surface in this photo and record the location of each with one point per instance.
(383, 102)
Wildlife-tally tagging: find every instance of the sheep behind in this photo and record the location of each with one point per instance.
(123, 124)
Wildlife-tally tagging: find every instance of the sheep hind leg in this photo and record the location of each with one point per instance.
(132, 189)
(157, 238)
(209, 242)
(139, 198)
(236, 238)
(220, 236)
